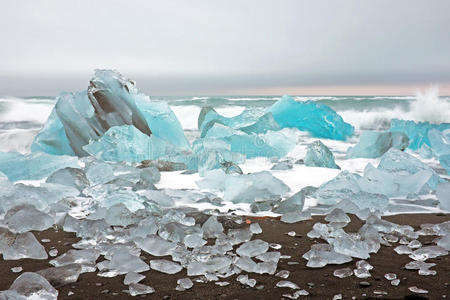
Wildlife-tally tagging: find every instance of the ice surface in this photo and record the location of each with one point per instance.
(122, 262)
(60, 276)
(316, 118)
(244, 188)
(165, 266)
(25, 218)
(33, 286)
(283, 274)
(255, 228)
(373, 144)
(33, 166)
(417, 290)
(390, 276)
(18, 246)
(252, 248)
(73, 177)
(417, 132)
(444, 242)
(318, 155)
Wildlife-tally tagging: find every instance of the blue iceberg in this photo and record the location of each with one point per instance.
(318, 155)
(373, 144)
(33, 166)
(316, 118)
(110, 101)
(440, 145)
(416, 132)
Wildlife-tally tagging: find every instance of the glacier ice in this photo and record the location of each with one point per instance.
(443, 195)
(33, 166)
(318, 155)
(416, 132)
(316, 118)
(373, 144)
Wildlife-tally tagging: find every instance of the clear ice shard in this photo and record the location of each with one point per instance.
(212, 265)
(60, 276)
(33, 166)
(252, 248)
(18, 246)
(32, 286)
(25, 218)
(399, 162)
(373, 144)
(291, 205)
(287, 284)
(140, 289)
(337, 215)
(165, 266)
(155, 245)
(318, 155)
(316, 118)
(85, 258)
(184, 284)
(243, 279)
(73, 177)
(342, 273)
(416, 132)
(295, 216)
(244, 188)
(424, 253)
(110, 100)
(212, 228)
(132, 277)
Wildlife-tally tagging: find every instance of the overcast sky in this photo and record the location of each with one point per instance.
(213, 47)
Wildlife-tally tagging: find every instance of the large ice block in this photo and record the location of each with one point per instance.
(318, 155)
(316, 118)
(244, 188)
(32, 286)
(373, 144)
(440, 144)
(33, 166)
(417, 132)
(110, 100)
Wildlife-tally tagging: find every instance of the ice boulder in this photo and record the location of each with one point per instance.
(33, 166)
(416, 132)
(373, 144)
(244, 188)
(110, 100)
(398, 162)
(318, 155)
(18, 246)
(316, 118)
(30, 286)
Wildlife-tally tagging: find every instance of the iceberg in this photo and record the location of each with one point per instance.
(373, 144)
(316, 118)
(416, 132)
(244, 188)
(33, 166)
(318, 155)
(111, 100)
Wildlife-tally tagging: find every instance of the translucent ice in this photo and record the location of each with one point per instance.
(60, 276)
(165, 266)
(342, 273)
(73, 177)
(212, 228)
(253, 248)
(132, 277)
(287, 284)
(211, 265)
(424, 253)
(85, 258)
(140, 289)
(316, 118)
(318, 155)
(184, 284)
(292, 204)
(243, 279)
(18, 246)
(338, 216)
(33, 286)
(373, 144)
(25, 218)
(155, 245)
(33, 166)
(295, 216)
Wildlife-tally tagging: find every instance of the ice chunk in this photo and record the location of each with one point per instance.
(283, 274)
(155, 245)
(244, 188)
(60, 276)
(211, 265)
(287, 284)
(140, 289)
(293, 204)
(338, 216)
(417, 132)
(212, 228)
(425, 151)
(132, 277)
(440, 141)
(424, 253)
(184, 284)
(243, 279)
(373, 144)
(165, 266)
(316, 118)
(33, 166)
(85, 258)
(73, 177)
(127, 143)
(396, 161)
(444, 160)
(255, 228)
(122, 262)
(253, 248)
(444, 242)
(33, 286)
(295, 216)
(318, 155)
(342, 273)
(25, 218)
(18, 246)
(417, 290)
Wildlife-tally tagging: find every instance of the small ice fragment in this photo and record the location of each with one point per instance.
(70, 293)
(16, 269)
(337, 215)
(255, 228)
(295, 216)
(53, 252)
(165, 266)
(243, 279)
(193, 241)
(269, 257)
(427, 272)
(417, 290)
(361, 273)
(140, 289)
(184, 284)
(291, 233)
(337, 297)
(318, 155)
(425, 253)
(46, 240)
(287, 284)
(414, 244)
(283, 274)
(275, 246)
(252, 248)
(222, 283)
(379, 292)
(296, 294)
(342, 273)
(362, 264)
(403, 249)
(60, 276)
(33, 286)
(390, 276)
(395, 282)
(212, 228)
(132, 277)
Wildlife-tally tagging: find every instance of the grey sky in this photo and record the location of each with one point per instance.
(206, 47)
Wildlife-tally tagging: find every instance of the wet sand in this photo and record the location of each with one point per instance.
(320, 283)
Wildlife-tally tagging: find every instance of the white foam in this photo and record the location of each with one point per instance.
(32, 110)
(429, 107)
